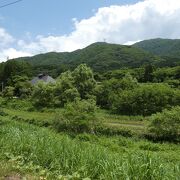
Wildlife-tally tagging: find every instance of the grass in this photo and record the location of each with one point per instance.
(136, 124)
(36, 150)
(29, 149)
(34, 117)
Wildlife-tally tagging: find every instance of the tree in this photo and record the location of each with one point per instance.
(84, 80)
(78, 116)
(12, 68)
(128, 82)
(107, 90)
(22, 86)
(8, 92)
(166, 125)
(65, 91)
(145, 100)
(69, 86)
(148, 73)
(43, 95)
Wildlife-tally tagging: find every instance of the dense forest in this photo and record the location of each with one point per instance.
(114, 112)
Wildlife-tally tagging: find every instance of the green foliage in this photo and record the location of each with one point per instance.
(16, 104)
(2, 113)
(168, 49)
(155, 74)
(145, 100)
(65, 91)
(43, 95)
(22, 86)
(19, 86)
(173, 83)
(78, 116)
(163, 74)
(166, 125)
(12, 68)
(102, 57)
(106, 91)
(8, 92)
(108, 131)
(70, 85)
(39, 150)
(84, 80)
(99, 56)
(148, 73)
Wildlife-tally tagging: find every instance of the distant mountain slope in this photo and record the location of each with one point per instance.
(99, 56)
(166, 48)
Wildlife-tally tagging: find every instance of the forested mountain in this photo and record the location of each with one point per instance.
(102, 57)
(99, 56)
(166, 48)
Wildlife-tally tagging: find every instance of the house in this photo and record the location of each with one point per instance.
(42, 78)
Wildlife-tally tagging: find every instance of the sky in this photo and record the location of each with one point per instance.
(31, 27)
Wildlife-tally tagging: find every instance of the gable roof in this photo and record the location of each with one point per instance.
(44, 78)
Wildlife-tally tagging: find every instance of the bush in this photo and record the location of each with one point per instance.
(166, 125)
(107, 89)
(145, 100)
(107, 131)
(43, 95)
(8, 92)
(78, 116)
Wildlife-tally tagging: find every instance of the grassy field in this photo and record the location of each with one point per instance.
(34, 152)
(136, 124)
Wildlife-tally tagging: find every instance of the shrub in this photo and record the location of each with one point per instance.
(22, 86)
(78, 116)
(166, 125)
(107, 131)
(145, 100)
(8, 92)
(174, 83)
(106, 91)
(43, 95)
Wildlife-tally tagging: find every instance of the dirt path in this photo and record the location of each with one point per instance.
(126, 125)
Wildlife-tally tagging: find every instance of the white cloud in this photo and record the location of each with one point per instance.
(11, 53)
(131, 42)
(116, 24)
(5, 38)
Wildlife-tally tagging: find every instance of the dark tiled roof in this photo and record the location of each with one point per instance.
(43, 78)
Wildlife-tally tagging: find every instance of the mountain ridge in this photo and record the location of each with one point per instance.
(166, 48)
(100, 56)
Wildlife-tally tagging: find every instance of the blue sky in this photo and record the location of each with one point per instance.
(31, 27)
(49, 16)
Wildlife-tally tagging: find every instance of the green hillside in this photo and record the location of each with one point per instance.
(99, 56)
(167, 48)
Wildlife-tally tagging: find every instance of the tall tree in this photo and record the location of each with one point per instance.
(12, 68)
(148, 73)
(84, 80)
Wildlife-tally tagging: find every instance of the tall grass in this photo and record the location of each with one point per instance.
(60, 155)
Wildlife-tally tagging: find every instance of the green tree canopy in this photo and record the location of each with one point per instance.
(84, 80)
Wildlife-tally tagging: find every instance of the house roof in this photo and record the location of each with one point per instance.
(44, 78)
